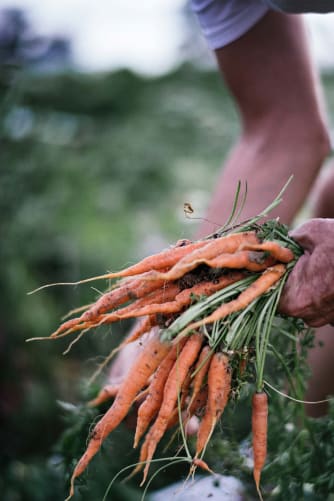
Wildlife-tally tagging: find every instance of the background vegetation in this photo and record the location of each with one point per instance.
(94, 173)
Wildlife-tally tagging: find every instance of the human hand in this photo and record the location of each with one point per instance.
(309, 291)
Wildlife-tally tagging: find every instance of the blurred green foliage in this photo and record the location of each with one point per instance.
(94, 173)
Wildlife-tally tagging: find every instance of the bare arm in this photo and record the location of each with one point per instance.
(270, 75)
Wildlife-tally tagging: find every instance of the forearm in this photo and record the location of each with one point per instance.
(261, 160)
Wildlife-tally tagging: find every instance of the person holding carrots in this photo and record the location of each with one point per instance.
(263, 55)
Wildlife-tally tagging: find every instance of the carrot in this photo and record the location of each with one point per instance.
(142, 458)
(248, 260)
(129, 290)
(219, 386)
(108, 391)
(198, 403)
(259, 430)
(201, 370)
(183, 394)
(173, 384)
(268, 278)
(160, 303)
(151, 404)
(228, 244)
(196, 462)
(141, 328)
(164, 259)
(145, 365)
(280, 253)
(145, 295)
(165, 293)
(137, 308)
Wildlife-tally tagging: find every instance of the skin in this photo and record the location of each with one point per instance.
(321, 199)
(269, 73)
(310, 292)
(320, 357)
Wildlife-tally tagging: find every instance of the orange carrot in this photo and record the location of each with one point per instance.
(219, 386)
(166, 300)
(160, 302)
(228, 244)
(248, 260)
(151, 404)
(198, 403)
(164, 259)
(142, 327)
(165, 293)
(280, 253)
(107, 392)
(173, 385)
(201, 464)
(142, 457)
(268, 278)
(129, 290)
(259, 430)
(183, 394)
(201, 370)
(145, 365)
(158, 297)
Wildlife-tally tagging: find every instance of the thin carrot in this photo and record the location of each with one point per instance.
(196, 408)
(173, 385)
(219, 386)
(183, 394)
(196, 462)
(160, 302)
(110, 391)
(227, 244)
(145, 364)
(142, 458)
(248, 260)
(201, 369)
(164, 259)
(159, 296)
(142, 327)
(166, 300)
(138, 308)
(107, 392)
(151, 404)
(266, 280)
(129, 290)
(145, 295)
(280, 253)
(198, 403)
(259, 430)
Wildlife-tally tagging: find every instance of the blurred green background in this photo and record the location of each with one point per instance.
(94, 172)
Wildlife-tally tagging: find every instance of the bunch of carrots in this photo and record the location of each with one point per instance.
(201, 305)
(204, 311)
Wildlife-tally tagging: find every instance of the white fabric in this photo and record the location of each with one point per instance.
(223, 21)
